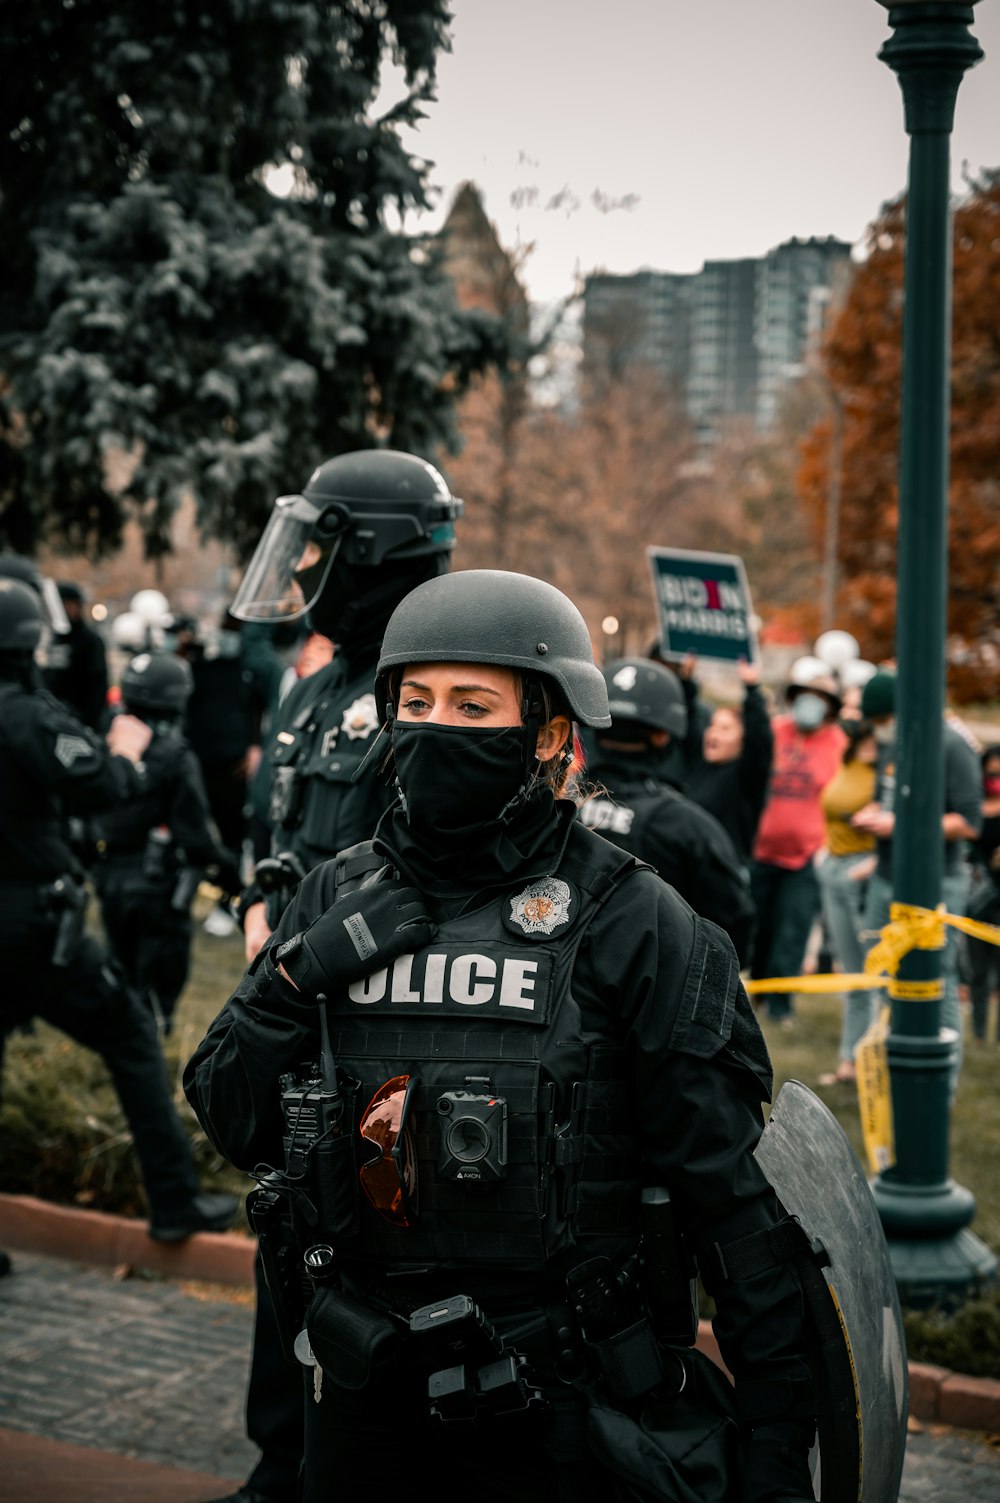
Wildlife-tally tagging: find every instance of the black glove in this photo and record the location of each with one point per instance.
(777, 1465)
(359, 934)
(224, 871)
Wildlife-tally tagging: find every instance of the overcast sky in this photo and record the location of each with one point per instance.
(735, 123)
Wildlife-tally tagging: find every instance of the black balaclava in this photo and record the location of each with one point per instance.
(356, 602)
(470, 813)
(647, 761)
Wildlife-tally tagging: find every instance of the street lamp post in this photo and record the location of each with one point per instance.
(936, 1259)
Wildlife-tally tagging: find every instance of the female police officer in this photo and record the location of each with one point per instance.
(529, 1030)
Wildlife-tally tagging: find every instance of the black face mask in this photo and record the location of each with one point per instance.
(455, 779)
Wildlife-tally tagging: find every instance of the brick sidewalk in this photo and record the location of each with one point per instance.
(153, 1372)
(138, 1367)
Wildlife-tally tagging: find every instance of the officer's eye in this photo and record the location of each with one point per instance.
(414, 704)
(473, 709)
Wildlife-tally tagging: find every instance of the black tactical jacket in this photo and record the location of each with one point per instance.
(647, 973)
(322, 732)
(51, 766)
(681, 841)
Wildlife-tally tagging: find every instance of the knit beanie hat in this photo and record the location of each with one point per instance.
(878, 697)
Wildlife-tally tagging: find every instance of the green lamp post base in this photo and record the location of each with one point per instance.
(943, 1271)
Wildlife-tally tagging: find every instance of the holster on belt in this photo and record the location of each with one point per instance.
(69, 901)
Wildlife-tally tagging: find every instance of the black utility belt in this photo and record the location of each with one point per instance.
(471, 1373)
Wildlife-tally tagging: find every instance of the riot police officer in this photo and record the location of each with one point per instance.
(526, 1042)
(78, 675)
(638, 809)
(52, 766)
(366, 529)
(152, 851)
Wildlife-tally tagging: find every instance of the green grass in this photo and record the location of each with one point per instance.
(63, 1137)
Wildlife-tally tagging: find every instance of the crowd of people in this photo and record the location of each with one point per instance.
(414, 790)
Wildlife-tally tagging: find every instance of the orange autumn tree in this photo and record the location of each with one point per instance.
(862, 362)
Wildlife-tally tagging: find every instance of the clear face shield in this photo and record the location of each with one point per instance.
(53, 650)
(291, 562)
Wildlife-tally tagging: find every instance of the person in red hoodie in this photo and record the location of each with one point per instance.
(808, 746)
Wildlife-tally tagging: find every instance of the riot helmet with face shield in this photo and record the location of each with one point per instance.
(365, 529)
(53, 617)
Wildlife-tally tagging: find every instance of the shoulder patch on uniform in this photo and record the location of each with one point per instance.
(69, 749)
(544, 907)
(360, 718)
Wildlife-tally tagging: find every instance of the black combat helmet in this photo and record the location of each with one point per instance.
(641, 692)
(16, 566)
(21, 617)
(491, 616)
(157, 683)
(374, 508)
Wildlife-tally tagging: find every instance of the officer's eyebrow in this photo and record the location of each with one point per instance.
(412, 683)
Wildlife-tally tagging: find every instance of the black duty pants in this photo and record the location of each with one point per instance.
(274, 1405)
(90, 1001)
(150, 939)
(380, 1440)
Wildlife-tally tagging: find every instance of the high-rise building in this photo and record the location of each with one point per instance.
(788, 280)
(728, 336)
(642, 319)
(721, 378)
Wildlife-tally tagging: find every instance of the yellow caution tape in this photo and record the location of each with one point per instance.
(871, 1062)
(909, 928)
(916, 991)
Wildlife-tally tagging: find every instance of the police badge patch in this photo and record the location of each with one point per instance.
(543, 908)
(360, 718)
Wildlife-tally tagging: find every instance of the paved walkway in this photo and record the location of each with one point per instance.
(153, 1373)
(140, 1368)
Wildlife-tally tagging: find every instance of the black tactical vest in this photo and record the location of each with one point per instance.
(325, 733)
(522, 1124)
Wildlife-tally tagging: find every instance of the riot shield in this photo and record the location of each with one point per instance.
(858, 1350)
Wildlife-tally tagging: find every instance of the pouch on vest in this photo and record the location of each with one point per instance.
(351, 1342)
(684, 1449)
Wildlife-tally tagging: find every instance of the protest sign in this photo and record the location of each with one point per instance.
(703, 605)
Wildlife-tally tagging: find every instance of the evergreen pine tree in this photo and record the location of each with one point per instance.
(158, 299)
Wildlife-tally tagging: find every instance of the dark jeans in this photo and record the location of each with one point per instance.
(788, 904)
(983, 960)
(89, 1001)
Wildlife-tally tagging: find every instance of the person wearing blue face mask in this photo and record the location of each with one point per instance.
(808, 745)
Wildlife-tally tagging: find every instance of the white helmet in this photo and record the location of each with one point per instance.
(855, 675)
(836, 648)
(151, 606)
(130, 633)
(805, 669)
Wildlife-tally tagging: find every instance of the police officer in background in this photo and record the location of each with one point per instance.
(367, 528)
(51, 767)
(529, 1048)
(152, 851)
(79, 674)
(636, 807)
